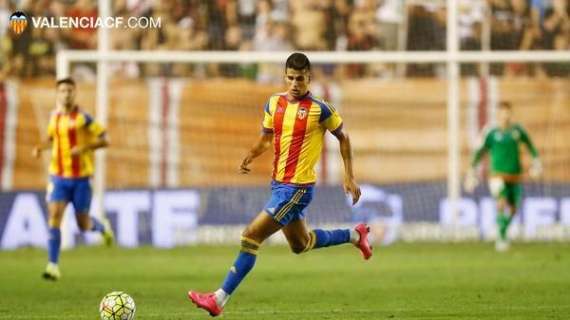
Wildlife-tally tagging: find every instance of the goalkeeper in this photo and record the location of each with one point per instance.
(506, 172)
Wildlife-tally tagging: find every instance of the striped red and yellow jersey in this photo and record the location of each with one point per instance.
(67, 130)
(298, 129)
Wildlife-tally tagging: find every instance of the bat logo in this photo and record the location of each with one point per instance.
(18, 22)
(302, 113)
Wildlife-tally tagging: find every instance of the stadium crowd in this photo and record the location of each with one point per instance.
(276, 25)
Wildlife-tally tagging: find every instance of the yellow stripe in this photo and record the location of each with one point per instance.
(250, 241)
(64, 145)
(254, 252)
(286, 137)
(310, 153)
(286, 208)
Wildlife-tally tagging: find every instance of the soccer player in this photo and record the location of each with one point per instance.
(296, 122)
(72, 137)
(506, 171)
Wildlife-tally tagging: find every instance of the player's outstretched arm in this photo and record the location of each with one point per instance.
(261, 145)
(39, 148)
(350, 185)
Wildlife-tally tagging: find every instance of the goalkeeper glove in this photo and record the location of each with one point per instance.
(536, 168)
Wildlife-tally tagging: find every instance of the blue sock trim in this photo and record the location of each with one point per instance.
(326, 238)
(54, 245)
(243, 264)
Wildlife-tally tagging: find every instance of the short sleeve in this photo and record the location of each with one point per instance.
(92, 126)
(330, 118)
(268, 117)
(268, 112)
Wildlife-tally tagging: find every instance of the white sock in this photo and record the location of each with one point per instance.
(354, 236)
(221, 297)
(52, 265)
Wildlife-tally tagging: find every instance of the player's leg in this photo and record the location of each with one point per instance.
(57, 198)
(499, 191)
(301, 240)
(512, 198)
(82, 194)
(507, 207)
(261, 228)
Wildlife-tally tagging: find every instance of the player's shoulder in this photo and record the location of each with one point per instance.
(85, 116)
(272, 101)
(326, 108)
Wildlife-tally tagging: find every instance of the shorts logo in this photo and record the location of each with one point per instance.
(302, 113)
(18, 22)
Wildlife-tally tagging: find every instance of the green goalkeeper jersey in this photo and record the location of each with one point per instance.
(503, 146)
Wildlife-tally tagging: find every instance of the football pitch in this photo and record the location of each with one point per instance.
(404, 281)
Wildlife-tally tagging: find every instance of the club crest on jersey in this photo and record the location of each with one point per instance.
(302, 113)
(515, 134)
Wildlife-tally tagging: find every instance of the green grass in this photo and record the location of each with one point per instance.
(405, 281)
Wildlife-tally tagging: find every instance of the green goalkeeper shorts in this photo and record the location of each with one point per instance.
(512, 192)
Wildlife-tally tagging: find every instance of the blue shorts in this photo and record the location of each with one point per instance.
(288, 202)
(74, 190)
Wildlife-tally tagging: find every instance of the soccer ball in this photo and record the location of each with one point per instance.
(117, 305)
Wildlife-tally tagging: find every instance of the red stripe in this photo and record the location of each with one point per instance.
(277, 130)
(58, 139)
(164, 126)
(72, 133)
(482, 118)
(3, 110)
(297, 141)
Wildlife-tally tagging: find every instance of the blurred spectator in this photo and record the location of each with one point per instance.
(556, 23)
(389, 16)
(556, 35)
(471, 15)
(275, 38)
(232, 42)
(308, 21)
(275, 25)
(426, 31)
(246, 16)
(82, 38)
(362, 36)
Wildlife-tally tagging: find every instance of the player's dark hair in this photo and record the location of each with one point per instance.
(505, 105)
(298, 61)
(65, 81)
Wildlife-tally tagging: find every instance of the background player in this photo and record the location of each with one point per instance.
(506, 169)
(72, 137)
(296, 123)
